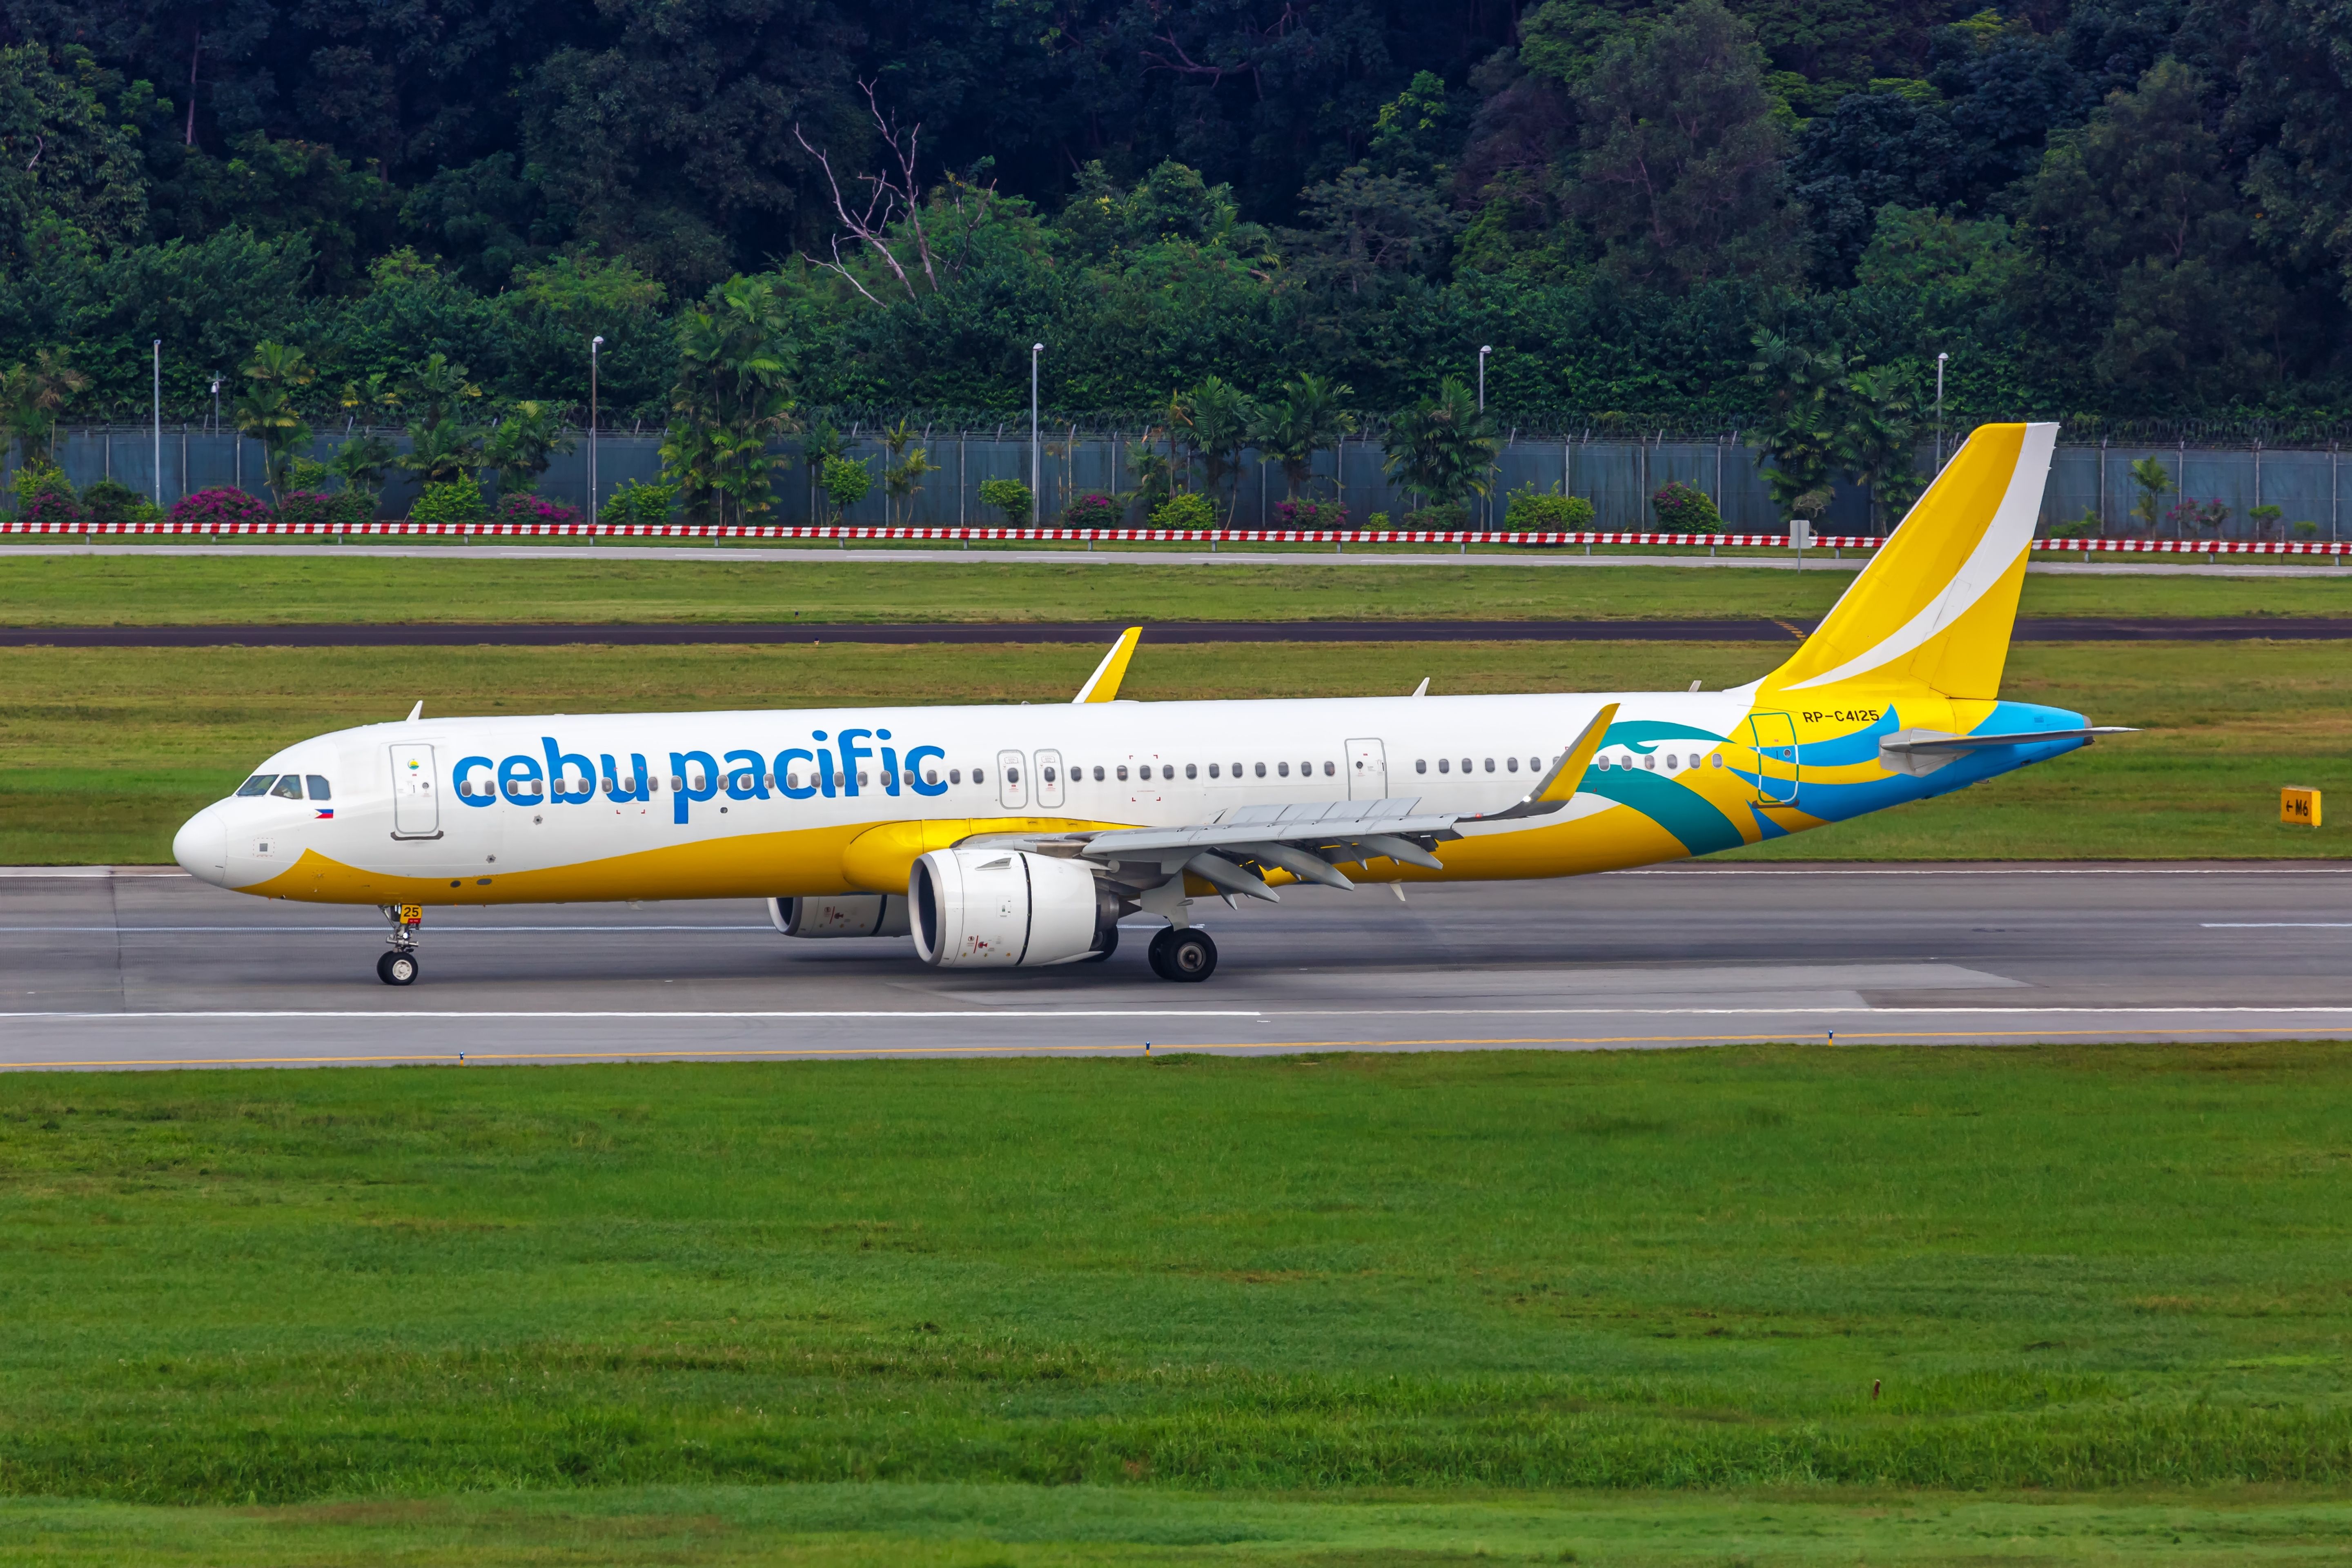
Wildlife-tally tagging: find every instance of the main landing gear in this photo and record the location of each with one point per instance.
(1185, 955)
(398, 967)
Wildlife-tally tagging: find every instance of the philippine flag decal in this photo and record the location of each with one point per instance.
(327, 811)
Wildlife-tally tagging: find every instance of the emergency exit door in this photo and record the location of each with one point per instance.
(1774, 736)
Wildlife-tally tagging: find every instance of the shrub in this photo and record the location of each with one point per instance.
(111, 500)
(43, 495)
(317, 508)
(1445, 517)
(451, 502)
(633, 502)
(1686, 508)
(1309, 514)
(1093, 510)
(1530, 511)
(1010, 496)
(220, 507)
(2083, 527)
(2189, 514)
(2263, 518)
(529, 507)
(1378, 521)
(1188, 512)
(2306, 530)
(845, 483)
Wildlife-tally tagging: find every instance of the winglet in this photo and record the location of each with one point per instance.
(1102, 686)
(416, 712)
(1558, 786)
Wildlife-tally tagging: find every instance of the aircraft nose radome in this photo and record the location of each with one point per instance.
(201, 847)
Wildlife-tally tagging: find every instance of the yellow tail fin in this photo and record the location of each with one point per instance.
(1937, 607)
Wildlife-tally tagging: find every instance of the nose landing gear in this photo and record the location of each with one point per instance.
(399, 966)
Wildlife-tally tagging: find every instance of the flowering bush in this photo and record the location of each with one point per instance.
(44, 496)
(1684, 509)
(451, 502)
(1530, 511)
(1309, 514)
(1193, 513)
(315, 509)
(219, 507)
(2199, 516)
(1092, 511)
(523, 506)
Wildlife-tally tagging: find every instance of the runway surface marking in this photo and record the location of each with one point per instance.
(906, 1015)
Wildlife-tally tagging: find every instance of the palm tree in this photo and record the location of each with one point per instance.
(528, 438)
(1215, 418)
(439, 453)
(730, 400)
(903, 473)
(438, 388)
(1305, 420)
(361, 463)
(1878, 438)
(33, 396)
(1444, 447)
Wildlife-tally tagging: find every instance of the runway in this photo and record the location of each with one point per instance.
(130, 970)
(2054, 629)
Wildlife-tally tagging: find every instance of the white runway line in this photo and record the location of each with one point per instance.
(1269, 1013)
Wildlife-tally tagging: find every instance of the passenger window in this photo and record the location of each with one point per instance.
(319, 790)
(1490, 765)
(1282, 768)
(1049, 775)
(1212, 769)
(1651, 762)
(1098, 777)
(1261, 769)
(1122, 773)
(955, 776)
(1534, 764)
(979, 775)
(289, 788)
(1512, 763)
(1191, 772)
(258, 784)
(1012, 775)
(1466, 764)
(1444, 766)
(1330, 770)
(791, 780)
(1420, 764)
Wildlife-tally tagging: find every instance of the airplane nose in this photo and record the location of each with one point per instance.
(201, 847)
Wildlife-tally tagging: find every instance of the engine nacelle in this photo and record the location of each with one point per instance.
(1000, 909)
(842, 914)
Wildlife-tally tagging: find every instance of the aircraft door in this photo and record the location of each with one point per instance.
(1049, 778)
(1777, 768)
(1368, 771)
(1012, 786)
(415, 791)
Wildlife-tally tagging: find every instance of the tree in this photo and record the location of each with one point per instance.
(33, 396)
(1215, 418)
(1682, 165)
(1803, 388)
(63, 158)
(902, 473)
(2154, 483)
(1360, 227)
(730, 401)
(526, 439)
(362, 462)
(266, 411)
(1306, 419)
(1443, 448)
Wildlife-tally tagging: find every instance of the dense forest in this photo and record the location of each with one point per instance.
(1675, 215)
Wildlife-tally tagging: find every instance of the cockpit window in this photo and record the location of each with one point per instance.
(318, 790)
(289, 788)
(258, 784)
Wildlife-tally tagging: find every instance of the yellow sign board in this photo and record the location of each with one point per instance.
(2299, 807)
(412, 914)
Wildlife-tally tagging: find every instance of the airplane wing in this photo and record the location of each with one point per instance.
(1311, 840)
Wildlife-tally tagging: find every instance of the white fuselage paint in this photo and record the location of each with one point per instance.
(1309, 751)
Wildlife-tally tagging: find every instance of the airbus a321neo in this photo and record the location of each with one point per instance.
(1020, 835)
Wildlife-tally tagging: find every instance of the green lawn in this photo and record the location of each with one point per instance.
(1335, 1310)
(103, 752)
(105, 590)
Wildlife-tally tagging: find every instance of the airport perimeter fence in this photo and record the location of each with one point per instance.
(1616, 474)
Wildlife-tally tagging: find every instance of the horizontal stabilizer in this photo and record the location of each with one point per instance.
(1922, 751)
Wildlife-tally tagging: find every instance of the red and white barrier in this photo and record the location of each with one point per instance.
(1116, 536)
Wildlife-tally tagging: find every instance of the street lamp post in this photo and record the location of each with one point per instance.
(1940, 411)
(1484, 350)
(1037, 454)
(159, 422)
(595, 345)
(216, 381)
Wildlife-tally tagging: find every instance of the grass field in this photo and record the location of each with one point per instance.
(197, 589)
(103, 752)
(1338, 1309)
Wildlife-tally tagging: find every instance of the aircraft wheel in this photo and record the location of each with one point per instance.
(396, 968)
(1190, 955)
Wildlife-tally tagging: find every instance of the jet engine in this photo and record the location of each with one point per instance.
(1000, 909)
(843, 914)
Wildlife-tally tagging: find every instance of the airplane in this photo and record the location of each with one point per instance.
(1019, 836)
